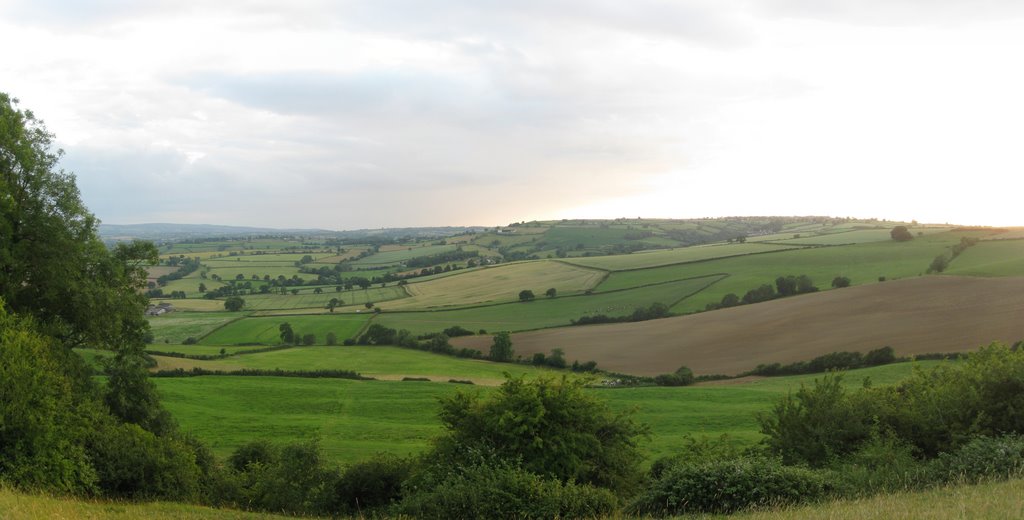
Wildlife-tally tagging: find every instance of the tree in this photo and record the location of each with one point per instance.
(368, 305)
(556, 359)
(551, 293)
(501, 348)
(840, 281)
(552, 427)
(901, 234)
(681, 377)
(332, 339)
(939, 264)
(526, 295)
(53, 266)
(333, 303)
(309, 339)
(318, 290)
(730, 300)
(286, 333)
(234, 303)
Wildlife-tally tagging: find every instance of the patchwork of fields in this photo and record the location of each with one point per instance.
(977, 300)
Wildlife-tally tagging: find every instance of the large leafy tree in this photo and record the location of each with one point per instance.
(553, 427)
(53, 266)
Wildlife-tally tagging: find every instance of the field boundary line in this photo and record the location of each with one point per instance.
(221, 326)
(582, 295)
(788, 247)
(694, 293)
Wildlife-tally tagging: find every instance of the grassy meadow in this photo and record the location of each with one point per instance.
(354, 419)
(265, 329)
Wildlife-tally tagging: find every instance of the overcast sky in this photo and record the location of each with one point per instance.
(384, 113)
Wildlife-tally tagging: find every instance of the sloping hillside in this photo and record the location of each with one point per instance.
(930, 314)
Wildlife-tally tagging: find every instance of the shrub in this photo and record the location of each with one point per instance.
(840, 281)
(133, 463)
(372, 483)
(981, 458)
(816, 424)
(554, 426)
(729, 486)
(882, 464)
(501, 490)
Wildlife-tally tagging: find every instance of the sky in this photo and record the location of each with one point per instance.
(401, 113)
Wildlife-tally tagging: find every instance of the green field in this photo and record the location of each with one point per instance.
(401, 255)
(175, 327)
(862, 263)
(354, 419)
(265, 329)
(230, 272)
(544, 312)
(307, 299)
(656, 258)
(375, 361)
(990, 258)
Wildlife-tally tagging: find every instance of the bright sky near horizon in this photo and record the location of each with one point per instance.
(386, 113)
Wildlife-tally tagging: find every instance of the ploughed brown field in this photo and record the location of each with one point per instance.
(913, 316)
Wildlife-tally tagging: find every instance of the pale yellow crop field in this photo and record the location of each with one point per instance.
(497, 284)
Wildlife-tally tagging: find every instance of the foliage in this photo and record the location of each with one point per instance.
(133, 463)
(816, 424)
(939, 264)
(901, 234)
(981, 458)
(526, 295)
(840, 282)
(234, 303)
(681, 377)
(38, 446)
(53, 265)
(726, 486)
(501, 348)
(373, 482)
(933, 411)
(831, 361)
(553, 426)
(499, 489)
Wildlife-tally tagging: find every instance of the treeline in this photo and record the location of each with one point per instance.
(831, 361)
(186, 266)
(441, 258)
(277, 372)
(654, 311)
(784, 286)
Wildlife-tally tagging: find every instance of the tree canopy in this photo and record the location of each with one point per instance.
(552, 426)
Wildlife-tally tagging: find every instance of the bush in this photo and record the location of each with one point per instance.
(882, 464)
(372, 483)
(554, 426)
(981, 458)
(500, 490)
(292, 478)
(133, 463)
(840, 281)
(681, 377)
(817, 424)
(728, 486)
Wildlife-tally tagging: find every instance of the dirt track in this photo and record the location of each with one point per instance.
(929, 314)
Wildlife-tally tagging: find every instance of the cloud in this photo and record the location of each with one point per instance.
(893, 12)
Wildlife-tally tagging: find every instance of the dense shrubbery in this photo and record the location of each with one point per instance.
(726, 486)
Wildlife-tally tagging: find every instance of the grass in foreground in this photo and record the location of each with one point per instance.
(15, 505)
(996, 500)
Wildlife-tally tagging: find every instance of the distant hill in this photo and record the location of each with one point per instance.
(174, 232)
